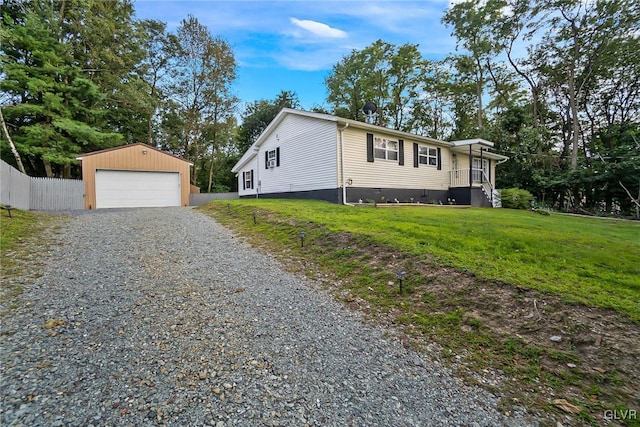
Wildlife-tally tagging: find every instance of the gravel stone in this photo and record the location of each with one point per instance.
(162, 317)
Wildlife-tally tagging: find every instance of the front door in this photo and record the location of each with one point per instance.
(480, 170)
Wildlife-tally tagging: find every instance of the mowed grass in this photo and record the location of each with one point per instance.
(21, 237)
(14, 230)
(585, 260)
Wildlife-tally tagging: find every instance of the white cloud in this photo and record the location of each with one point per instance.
(318, 28)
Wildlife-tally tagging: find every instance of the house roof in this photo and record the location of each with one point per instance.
(253, 150)
(137, 144)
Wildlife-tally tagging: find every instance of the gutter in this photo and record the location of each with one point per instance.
(344, 181)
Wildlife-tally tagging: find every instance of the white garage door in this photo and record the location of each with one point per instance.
(133, 189)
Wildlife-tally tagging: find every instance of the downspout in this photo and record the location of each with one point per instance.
(344, 181)
(257, 173)
(470, 167)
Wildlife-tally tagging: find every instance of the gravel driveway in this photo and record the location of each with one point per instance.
(160, 316)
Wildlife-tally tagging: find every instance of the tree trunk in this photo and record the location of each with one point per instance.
(574, 121)
(479, 86)
(47, 168)
(210, 175)
(13, 147)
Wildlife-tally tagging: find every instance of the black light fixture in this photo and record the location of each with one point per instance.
(301, 235)
(401, 275)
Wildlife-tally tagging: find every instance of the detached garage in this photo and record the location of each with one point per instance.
(134, 175)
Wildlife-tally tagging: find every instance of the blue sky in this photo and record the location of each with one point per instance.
(292, 45)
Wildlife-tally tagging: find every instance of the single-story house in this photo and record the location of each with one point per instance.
(134, 175)
(310, 155)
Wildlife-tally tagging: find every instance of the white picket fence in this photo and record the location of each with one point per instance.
(46, 194)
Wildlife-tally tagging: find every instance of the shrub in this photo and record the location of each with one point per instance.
(515, 198)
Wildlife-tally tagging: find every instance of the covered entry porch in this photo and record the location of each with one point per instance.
(472, 174)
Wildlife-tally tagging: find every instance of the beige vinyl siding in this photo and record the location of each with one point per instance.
(389, 174)
(308, 153)
(132, 157)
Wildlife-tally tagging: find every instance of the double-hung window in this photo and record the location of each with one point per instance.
(247, 178)
(385, 149)
(427, 155)
(271, 155)
(272, 158)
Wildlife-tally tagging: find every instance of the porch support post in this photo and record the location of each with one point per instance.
(481, 166)
(470, 166)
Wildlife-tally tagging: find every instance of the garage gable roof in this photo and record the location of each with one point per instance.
(128, 146)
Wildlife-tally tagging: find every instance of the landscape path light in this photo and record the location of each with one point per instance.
(301, 235)
(401, 275)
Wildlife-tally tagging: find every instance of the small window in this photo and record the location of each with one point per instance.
(272, 158)
(427, 155)
(385, 149)
(248, 182)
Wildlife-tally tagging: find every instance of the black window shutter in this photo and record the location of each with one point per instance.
(244, 181)
(251, 178)
(401, 152)
(369, 147)
(415, 155)
(266, 160)
(439, 160)
(277, 156)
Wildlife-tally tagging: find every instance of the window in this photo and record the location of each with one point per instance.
(247, 178)
(427, 155)
(272, 158)
(385, 149)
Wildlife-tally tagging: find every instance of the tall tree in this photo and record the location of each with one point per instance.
(104, 40)
(161, 48)
(432, 101)
(54, 109)
(468, 19)
(258, 114)
(345, 85)
(381, 73)
(205, 70)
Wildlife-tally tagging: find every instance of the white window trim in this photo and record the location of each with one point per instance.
(428, 156)
(380, 143)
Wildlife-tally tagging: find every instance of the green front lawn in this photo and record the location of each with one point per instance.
(585, 260)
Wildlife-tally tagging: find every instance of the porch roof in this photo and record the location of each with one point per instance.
(478, 147)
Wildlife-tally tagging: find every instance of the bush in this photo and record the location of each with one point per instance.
(515, 198)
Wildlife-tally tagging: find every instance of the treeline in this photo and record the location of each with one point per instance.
(554, 83)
